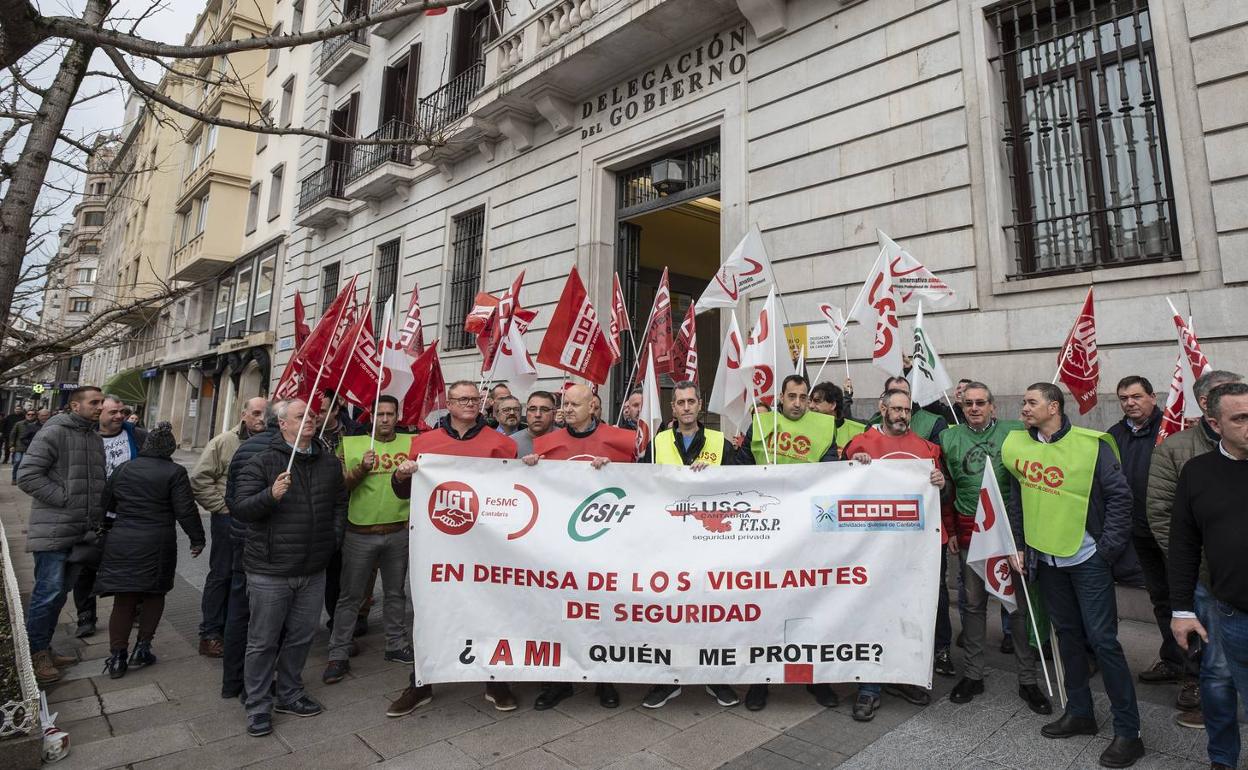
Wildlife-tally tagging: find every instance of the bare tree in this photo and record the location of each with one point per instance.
(33, 112)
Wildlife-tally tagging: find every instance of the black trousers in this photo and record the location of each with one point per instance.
(1153, 562)
(84, 597)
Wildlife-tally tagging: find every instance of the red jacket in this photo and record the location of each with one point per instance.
(880, 446)
(615, 444)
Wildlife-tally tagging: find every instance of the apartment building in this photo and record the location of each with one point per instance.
(1023, 150)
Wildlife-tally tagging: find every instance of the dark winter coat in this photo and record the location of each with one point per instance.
(23, 433)
(248, 449)
(63, 470)
(1136, 448)
(298, 534)
(147, 494)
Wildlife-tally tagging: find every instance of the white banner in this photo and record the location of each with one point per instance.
(646, 573)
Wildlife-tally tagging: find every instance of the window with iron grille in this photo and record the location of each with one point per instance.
(387, 280)
(329, 285)
(1085, 145)
(467, 243)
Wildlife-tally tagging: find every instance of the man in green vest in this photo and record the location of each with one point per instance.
(1070, 508)
(925, 424)
(376, 535)
(827, 398)
(971, 450)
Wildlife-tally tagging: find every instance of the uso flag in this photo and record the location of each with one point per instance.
(991, 543)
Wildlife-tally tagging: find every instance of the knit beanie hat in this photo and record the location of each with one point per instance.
(160, 442)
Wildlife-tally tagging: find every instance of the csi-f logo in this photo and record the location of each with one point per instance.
(1038, 473)
(453, 507)
(604, 507)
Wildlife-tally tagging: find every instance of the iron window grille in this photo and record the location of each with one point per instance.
(466, 250)
(387, 280)
(1084, 141)
(329, 285)
(637, 194)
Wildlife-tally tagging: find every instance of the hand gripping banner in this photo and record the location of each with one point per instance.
(658, 574)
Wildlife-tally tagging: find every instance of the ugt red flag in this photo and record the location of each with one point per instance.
(574, 341)
(685, 351)
(301, 322)
(426, 399)
(1078, 365)
(659, 331)
(355, 365)
(991, 543)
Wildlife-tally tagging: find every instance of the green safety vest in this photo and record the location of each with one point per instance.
(374, 501)
(966, 455)
(1055, 481)
(846, 431)
(800, 441)
(666, 453)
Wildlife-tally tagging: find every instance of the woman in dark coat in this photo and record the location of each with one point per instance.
(143, 498)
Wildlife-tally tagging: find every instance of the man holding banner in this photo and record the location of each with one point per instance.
(1070, 504)
(972, 451)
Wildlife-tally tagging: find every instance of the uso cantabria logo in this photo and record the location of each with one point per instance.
(604, 508)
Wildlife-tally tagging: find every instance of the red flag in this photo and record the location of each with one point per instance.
(619, 313)
(411, 330)
(574, 341)
(321, 345)
(301, 324)
(478, 319)
(659, 331)
(1172, 418)
(1077, 365)
(426, 399)
(499, 324)
(685, 351)
(353, 368)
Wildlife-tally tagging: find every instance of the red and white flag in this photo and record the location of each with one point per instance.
(762, 352)
(299, 378)
(1078, 364)
(685, 351)
(730, 395)
(499, 323)
(746, 268)
(991, 543)
(1195, 363)
(411, 336)
(574, 341)
(514, 364)
(835, 320)
(877, 305)
(478, 319)
(302, 331)
(910, 278)
(1172, 419)
(354, 367)
(619, 314)
(659, 331)
(651, 414)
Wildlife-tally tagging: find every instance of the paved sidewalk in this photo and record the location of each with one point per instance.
(171, 715)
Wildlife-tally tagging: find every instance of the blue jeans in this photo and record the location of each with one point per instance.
(47, 598)
(1232, 631)
(237, 615)
(1218, 700)
(17, 460)
(217, 584)
(1084, 611)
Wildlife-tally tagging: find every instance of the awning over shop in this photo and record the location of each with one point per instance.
(128, 385)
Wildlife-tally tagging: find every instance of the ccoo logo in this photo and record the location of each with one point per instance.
(453, 507)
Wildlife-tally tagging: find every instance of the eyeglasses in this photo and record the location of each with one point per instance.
(509, 410)
(465, 401)
(540, 409)
(979, 402)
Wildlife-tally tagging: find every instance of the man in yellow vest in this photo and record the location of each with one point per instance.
(827, 398)
(1070, 508)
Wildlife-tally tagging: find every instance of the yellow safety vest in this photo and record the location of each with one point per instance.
(666, 453)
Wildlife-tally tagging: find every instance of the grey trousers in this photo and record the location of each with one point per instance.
(277, 603)
(975, 629)
(359, 553)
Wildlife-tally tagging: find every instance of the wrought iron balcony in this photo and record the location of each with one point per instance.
(321, 199)
(450, 102)
(367, 157)
(343, 54)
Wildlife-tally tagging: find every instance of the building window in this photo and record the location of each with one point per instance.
(242, 301)
(80, 306)
(265, 276)
(296, 18)
(184, 227)
(193, 159)
(221, 309)
(93, 219)
(275, 52)
(210, 142)
(253, 207)
(262, 140)
(466, 249)
(275, 191)
(288, 101)
(201, 215)
(90, 247)
(1084, 136)
(329, 285)
(86, 275)
(387, 280)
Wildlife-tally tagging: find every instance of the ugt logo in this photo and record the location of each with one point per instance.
(595, 510)
(1037, 472)
(453, 507)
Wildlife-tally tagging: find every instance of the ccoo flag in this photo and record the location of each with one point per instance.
(991, 543)
(928, 378)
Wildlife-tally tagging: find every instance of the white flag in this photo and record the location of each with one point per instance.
(396, 364)
(746, 268)
(835, 320)
(991, 542)
(911, 279)
(730, 395)
(650, 416)
(877, 306)
(762, 352)
(514, 364)
(928, 378)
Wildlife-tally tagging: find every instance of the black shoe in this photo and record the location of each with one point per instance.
(723, 694)
(405, 655)
(944, 663)
(335, 671)
(142, 655)
(86, 627)
(361, 626)
(353, 649)
(303, 707)
(1189, 696)
(909, 693)
(552, 695)
(1007, 645)
(1162, 672)
(865, 706)
(966, 689)
(961, 640)
(259, 725)
(115, 665)
(230, 691)
(1068, 726)
(1035, 700)
(824, 695)
(756, 697)
(1122, 752)
(608, 698)
(659, 695)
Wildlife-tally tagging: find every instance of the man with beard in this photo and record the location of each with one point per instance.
(507, 412)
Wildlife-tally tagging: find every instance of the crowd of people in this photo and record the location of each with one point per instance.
(308, 510)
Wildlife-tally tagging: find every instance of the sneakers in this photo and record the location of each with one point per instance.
(1162, 672)
(1188, 699)
(944, 663)
(259, 725)
(301, 707)
(211, 648)
(723, 694)
(405, 655)
(966, 689)
(46, 671)
(659, 695)
(756, 697)
(909, 693)
(115, 665)
(411, 699)
(1192, 720)
(335, 671)
(865, 706)
(142, 655)
(499, 693)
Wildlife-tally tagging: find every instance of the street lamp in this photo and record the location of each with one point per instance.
(667, 175)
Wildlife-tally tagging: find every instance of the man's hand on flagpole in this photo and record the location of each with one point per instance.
(280, 485)
(530, 460)
(369, 460)
(405, 470)
(1018, 563)
(598, 462)
(1182, 627)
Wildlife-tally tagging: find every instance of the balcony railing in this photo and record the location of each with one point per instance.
(331, 46)
(323, 183)
(450, 102)
(367, 157)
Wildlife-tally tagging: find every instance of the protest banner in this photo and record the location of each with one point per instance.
(658, 574)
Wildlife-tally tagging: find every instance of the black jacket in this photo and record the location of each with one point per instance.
(147, 494)
(246, 450)
(23, 433)
(298, 534)
(1136, 448)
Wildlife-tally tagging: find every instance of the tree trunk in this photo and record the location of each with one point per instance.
(31, 167)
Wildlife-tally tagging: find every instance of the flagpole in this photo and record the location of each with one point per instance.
(342, 377)
(952, 411)
(775, 387)
(1031, 616)
(316, 383)
(381, 362)
(636, 364)
(754, 401)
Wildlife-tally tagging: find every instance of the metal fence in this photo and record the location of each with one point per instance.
(450, 102)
